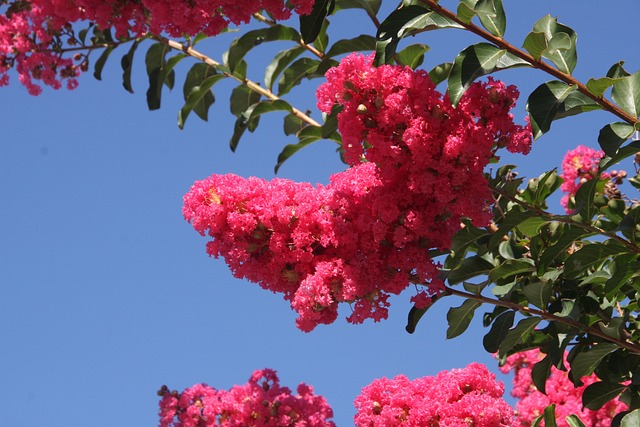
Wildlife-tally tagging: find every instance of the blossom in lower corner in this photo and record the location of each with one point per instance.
(261, 402)
(559, 391)
(461, 397)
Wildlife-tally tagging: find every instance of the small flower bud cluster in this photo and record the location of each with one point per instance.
(559, 391)
(456, 398)
(581, 165)
(34, 33)
(416, 171)
(262, 402)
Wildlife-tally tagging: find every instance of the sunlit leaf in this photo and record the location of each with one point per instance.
(544, 103)
(403, 22)
(626, 93)
(492, 16)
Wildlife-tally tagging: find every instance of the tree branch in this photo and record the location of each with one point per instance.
(566, 220)
(250, 84)
(631, 346)
(502, 44)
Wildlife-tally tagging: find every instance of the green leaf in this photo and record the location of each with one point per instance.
(576, 103)
(617, 70)
(569, 236)
(267, 106)
(584, 207)
(613, 135)
(466, 10)
(197, 92)
(549, 416)
(415, 314)
(360, 43)
(632, 419)
(531, 227)
(599, 86)
(474, 61)
(460, 317)
(280, 62)
(241, 46)
(560, 41)
(574, 421)
(322, 40)
(242, 97)
(626, 93)
(510, 221)
(544, 103)
(518, 335)
(492, 16)
(370, 6)
(292, 76)
(470, 267)
(587, 361)
(311, 25)
(403, 22)
(597, 394)
(627, 151)
(540, 372)
(160, 72)
(536, 44)
(127, 65)
(587, 257)
(100, 63)
(441, 72)
(538, 293)
(498, 332)
(412, 55)
(511, 268)
(306, 136)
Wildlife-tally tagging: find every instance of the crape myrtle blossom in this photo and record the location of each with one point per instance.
(262, 402)
(318, 246)
(581, 165)
(578, 166)
(456, 398)
(34, 33)
(559, 391)
(416, 171)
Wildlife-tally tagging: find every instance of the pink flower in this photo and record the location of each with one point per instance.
(560, 391)
(262, 402)
(417, 170)
(460, 397)
(32, 36)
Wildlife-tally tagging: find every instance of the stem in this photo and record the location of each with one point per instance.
(633, 347)
(273, 23)
(566, 220)
(535, 63)
(250, 84)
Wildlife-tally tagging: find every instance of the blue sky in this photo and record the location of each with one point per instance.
(107, 293)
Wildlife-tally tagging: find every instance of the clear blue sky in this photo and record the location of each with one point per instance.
(107, 293)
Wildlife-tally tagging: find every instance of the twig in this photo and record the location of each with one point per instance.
(250, 84)
(273, 23)
(633, 347)
(566, 220)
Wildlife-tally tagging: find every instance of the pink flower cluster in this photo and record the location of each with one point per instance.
(33, 33)
(318, 246)
(578, 166)
(429, 156)
(456, 398)
(262, 402)
(560, 391)
(417, 170)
